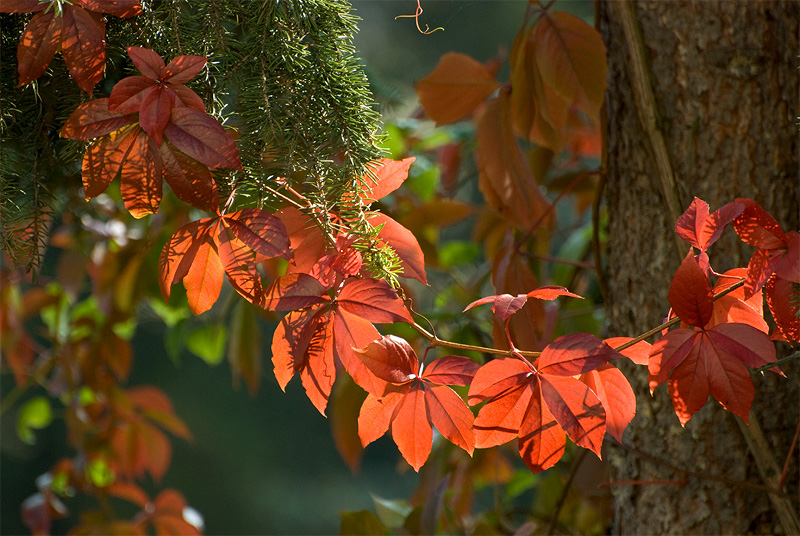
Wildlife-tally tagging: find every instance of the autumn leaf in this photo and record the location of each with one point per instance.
(505, 178)
(68, 27)
(415, 400)
(201, 251)
(778, 252)
(387, 178)
(710, 358)
(454, 88)
(570, 56)
(322, 331)
(538, 408)
(505, 305)
(138, 444)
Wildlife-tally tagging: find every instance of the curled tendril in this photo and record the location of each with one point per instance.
(415, 16)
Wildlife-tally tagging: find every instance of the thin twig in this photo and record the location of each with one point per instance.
(785, 471)
(551, 527)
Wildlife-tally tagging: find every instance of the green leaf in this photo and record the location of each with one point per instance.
(458, 252)
(99, 473)
(208, 343)
(244, 346)
(361, 523)
(35, 414)
(391, 512)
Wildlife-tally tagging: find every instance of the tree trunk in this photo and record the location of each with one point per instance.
(702, 101)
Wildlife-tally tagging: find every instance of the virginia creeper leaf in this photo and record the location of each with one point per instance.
(690, 293)
(575, 354)
(454, 88)
(405, 245)
(202, 138)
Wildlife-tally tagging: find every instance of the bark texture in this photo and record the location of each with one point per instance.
(725, 86)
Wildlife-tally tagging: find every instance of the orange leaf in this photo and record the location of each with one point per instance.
(451, 417)
(571, 59)
(505, 178)
(411, 430)
(454, 88)
(83, 47)
(203, 281)
(140, 176)
(404, 243)
(38, 45)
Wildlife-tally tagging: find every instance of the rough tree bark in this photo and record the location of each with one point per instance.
(702, 101)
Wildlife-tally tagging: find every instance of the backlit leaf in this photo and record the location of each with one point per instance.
(405, 245)
(576, 409)
(616, 395)
(203, 281)
(147, 61)
(202, 138)
(451, 417)
(411, 430)
(505, 178)
(373, 300)
(92, 119)
(183, 68)
(575, 354)
(454, 88)
(391, 359)
(140, 176)
(389, 176)
(690, 293)
(570, 56)
(38, 45)
(83, 48)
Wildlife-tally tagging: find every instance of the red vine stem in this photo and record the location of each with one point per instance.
(434, 340)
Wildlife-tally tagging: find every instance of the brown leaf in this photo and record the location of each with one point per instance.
(454, 88)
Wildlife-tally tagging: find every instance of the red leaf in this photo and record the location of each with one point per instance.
(451, 417)
(391, 359)
(498, 376)
(103, 160)
(183, 68)
(454, 88)
(783, 308)
(451, 370)
(576, 409)
(190, 180)
(239, 263)
(140, 177)
(178, 255)
(127, 94)
(187, 97)
(541, 442)
(351, 331)
(261, 231)
(21, 6)
(639, 353)
(616, 395)
(757, 227)
(376, 416)
(389, 176)
(570, 57)
(293, 291)
(373, 300)
(38, 45)
(202, 138)
(690, 293)
(500, 419)
(696, 227)
(83, 47)
(148, 62)
(789, 265)
(92, 119)
(551, 292)
(711, 360)
(505, 177)
(575, 354)
(411, 430)
(290, 343)
(203, 281)
(404, 243)
(118, 8)
(154, 113)
(319, 370)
